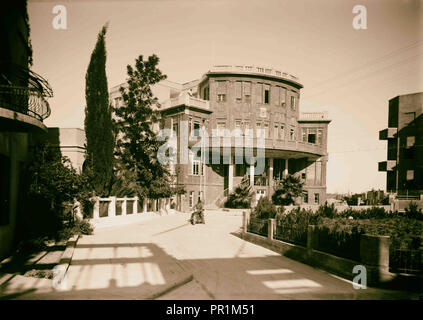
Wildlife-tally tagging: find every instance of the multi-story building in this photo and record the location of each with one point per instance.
(404, 164)
(229, 104)
(23, 107)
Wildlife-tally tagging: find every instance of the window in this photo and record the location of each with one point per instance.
(196, 129)
(266, 94)
(293, 102)
(303, 175)
(191, 199)
(305, 197)
(175, 130)
(266, 130)
(319, 136)
(246, 127)
(316, 198)
(247, 91)
(206, 93)
(292, 134)
(282, 96)
(276, 131)
(260, 193)
(258, 129)
(282, 132)
(221, 91)
(259, 93)
(410, 174)
(221, 126)
(221, 97)
(238, 91)
(195, 167)
(238, 126)
(312, 135)
(200, 196)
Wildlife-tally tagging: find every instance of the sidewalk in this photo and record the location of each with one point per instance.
(114, 263)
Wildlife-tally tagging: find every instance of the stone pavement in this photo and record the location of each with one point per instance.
(147, 259)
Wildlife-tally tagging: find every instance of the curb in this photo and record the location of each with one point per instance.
(67, 255)
(186, 279)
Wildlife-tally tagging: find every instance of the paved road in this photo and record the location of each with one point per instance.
(227, 267)
(136, 260)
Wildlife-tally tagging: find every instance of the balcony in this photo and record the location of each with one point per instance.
(187, 100)
(388, 133)
(388, 165)
(22, 108)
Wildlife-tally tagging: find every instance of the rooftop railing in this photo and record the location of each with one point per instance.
(313, 116)
(253, 69)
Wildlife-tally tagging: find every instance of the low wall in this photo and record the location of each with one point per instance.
(113, 211)
(340, 208)
(374, 256)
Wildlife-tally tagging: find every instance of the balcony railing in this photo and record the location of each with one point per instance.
(29, 101)
(187, 100)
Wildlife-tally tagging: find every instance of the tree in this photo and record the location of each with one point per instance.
(98, 120)
(137, 146)
(241, 197)
(287, 190)
(53, 183)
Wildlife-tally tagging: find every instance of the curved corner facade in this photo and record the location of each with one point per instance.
(232, 102)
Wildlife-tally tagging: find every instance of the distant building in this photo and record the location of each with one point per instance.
(243, 99)
(404, 164)
(71, 142)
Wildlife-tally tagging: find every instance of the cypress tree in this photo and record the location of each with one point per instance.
(98, 120)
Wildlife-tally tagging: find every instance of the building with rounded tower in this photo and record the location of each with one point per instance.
(241, 122)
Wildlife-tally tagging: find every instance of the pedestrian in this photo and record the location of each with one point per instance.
(198, 215)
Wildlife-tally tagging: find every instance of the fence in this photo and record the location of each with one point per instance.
(364, 248)
(406, 261)
(290, 233)
(258, 226)
(113, 206)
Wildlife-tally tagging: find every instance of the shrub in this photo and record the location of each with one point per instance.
(241, 197)
(83, 227)
(265, 209)
(413, 211)
(340, 237)
(287, 190)
(328, 211)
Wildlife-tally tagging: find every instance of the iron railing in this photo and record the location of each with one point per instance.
(406, 261)
(258, 226)
(290, 233)
(29, 101)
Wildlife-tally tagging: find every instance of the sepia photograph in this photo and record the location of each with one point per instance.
(215, 156)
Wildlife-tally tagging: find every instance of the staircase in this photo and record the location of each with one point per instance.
(218, 202)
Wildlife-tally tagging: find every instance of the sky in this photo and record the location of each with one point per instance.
(349, 73)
